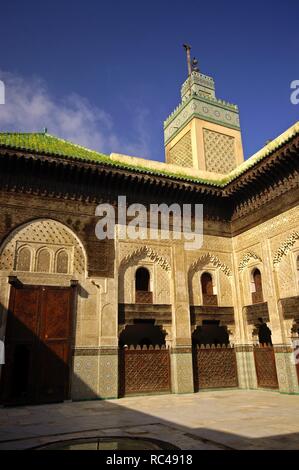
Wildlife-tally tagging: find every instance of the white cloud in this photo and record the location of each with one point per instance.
(29, 107)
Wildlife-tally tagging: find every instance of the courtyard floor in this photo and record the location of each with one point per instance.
(232, 419)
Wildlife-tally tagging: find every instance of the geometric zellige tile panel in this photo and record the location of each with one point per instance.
(219, 152)
(181, 152)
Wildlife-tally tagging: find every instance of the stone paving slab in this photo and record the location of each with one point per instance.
(219, 420)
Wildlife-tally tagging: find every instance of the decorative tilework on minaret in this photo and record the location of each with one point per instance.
(198, 84)
(203, 132)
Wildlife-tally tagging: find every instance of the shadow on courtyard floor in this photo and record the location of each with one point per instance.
(28, 427)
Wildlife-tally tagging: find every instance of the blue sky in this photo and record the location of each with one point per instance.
(107, 74)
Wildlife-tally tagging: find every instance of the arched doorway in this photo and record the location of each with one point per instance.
(214, 360)
(142, 333)
(45, 258)
(210, 333)
(144, 361)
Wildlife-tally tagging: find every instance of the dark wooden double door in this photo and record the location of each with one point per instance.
(38, 345)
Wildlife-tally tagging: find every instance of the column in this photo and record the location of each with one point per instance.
(181, 353)
(243, 339)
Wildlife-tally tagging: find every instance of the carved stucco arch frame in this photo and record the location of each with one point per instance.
(249, 255)
(12, 238)
(31, 276)
(136, 255)
(200, 263)
(142, 252)
(284, 248)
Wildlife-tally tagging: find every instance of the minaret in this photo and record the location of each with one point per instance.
(203, 132)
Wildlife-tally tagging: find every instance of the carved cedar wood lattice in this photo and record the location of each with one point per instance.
(214, 367)
(144, 371)
(265, 366)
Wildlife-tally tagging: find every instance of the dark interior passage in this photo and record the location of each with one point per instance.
(142, 333)
(210, 333)
(142, 280)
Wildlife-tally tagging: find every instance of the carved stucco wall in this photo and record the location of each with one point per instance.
(272, 247)
(285, 246)
(276, 230)
(96, 302)
(287, 278)
(285, 263)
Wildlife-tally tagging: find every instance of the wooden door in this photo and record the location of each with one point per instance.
(214, 367)
(265, 366)
(54, 344)
(37, 341)
(145, 370)
(18, 380)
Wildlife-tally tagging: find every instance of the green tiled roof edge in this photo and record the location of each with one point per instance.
(59, 147)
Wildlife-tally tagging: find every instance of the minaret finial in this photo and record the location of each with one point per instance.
(194, 65)
(188, 49)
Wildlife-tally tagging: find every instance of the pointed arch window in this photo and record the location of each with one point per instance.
(143, 295)
(207, 289)
(257, 294)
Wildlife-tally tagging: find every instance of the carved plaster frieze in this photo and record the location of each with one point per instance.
(285, 247)
(209, 258)
(154, 254)
(246, 259)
